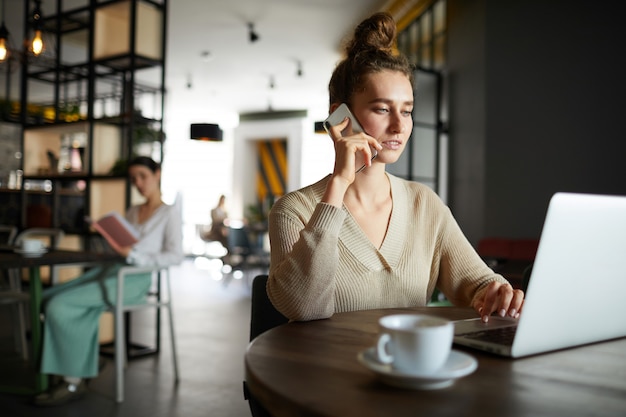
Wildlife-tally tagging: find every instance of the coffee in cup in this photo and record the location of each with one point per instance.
(414, 343)
(32, 245)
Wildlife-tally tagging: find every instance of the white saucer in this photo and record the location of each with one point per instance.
(459, 364)
(30, 254)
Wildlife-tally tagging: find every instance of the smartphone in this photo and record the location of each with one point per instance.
(338, 116)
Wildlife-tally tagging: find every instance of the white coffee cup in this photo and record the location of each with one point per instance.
(414, 343)
(32, 245)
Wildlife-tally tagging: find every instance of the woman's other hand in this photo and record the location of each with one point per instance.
(501, 299)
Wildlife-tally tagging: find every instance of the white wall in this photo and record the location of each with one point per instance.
(310, 156)
(196, 173)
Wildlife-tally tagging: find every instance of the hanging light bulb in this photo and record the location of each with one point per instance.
(37, 45)
(4, 37)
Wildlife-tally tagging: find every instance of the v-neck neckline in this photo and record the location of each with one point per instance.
(390, 251)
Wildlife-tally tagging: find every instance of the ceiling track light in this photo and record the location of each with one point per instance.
(252, 35)
(206, 56)
(299, 71)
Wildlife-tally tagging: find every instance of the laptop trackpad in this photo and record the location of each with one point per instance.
(476, 324)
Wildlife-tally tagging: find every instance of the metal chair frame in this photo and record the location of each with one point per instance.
(119, 311)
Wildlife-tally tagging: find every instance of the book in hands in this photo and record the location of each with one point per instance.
(117, 228)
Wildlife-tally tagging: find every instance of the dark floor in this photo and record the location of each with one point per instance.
(212, 323)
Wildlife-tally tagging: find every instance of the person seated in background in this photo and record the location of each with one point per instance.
(219, 223)
(365, 239)
(72, 310)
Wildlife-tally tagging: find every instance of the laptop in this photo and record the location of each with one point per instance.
(577, 289)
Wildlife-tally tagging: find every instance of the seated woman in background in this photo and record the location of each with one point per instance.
(367, 240)
(219, 223)
(72, 310)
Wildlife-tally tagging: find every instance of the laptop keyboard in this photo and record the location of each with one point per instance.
(503, 335)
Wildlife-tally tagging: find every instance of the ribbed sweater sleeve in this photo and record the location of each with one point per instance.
(305, 259)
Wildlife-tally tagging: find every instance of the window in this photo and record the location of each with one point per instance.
(423, 41)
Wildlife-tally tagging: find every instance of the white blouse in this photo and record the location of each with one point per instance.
(160, 242)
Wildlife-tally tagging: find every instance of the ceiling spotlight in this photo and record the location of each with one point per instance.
(206, 56)
(299, 72)
(252, 35)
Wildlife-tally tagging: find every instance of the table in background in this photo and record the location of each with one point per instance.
(311, 368)
(10, 260)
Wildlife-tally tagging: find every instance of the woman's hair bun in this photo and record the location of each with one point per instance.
(376, 33)
(371, 50)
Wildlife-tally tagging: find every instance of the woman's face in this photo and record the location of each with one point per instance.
(146, 181)
(383, 108)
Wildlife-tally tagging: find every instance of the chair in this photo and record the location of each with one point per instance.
(11, 294)
(7, 234)
(263, 317)
(15, 293)
(243, 256)
(119, 310)
(54, 237)
(263, 314)
(239, 247)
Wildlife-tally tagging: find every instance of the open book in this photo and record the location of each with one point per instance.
(116, 227)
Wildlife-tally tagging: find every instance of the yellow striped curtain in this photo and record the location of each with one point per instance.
(271, 170)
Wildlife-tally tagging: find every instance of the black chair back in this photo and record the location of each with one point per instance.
(238, 241)
(264, 315)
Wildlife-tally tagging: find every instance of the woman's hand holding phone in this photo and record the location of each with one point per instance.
(345, 130)
(350, 146)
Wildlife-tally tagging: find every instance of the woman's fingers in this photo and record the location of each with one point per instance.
(351, 150)
(336, 132)
(502, 299)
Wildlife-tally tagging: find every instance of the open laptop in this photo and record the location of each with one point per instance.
(577, 289)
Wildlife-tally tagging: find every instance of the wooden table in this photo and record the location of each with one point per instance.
(311, 369)
(10, 260)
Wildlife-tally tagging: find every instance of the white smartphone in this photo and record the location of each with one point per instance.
(338, 116)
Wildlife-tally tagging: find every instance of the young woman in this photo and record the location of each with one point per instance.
(219, 222)
(366, 240)
(72, 310)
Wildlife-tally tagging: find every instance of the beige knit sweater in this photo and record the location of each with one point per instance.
(323, 263)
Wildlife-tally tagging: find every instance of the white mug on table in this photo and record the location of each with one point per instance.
(414, 343)
(32, 245)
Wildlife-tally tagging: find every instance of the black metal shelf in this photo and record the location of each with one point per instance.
(111, 66)
(77, 93)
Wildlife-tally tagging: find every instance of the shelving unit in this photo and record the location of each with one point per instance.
(86, 108)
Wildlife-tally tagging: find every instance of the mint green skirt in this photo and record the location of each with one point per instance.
(72, 317)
